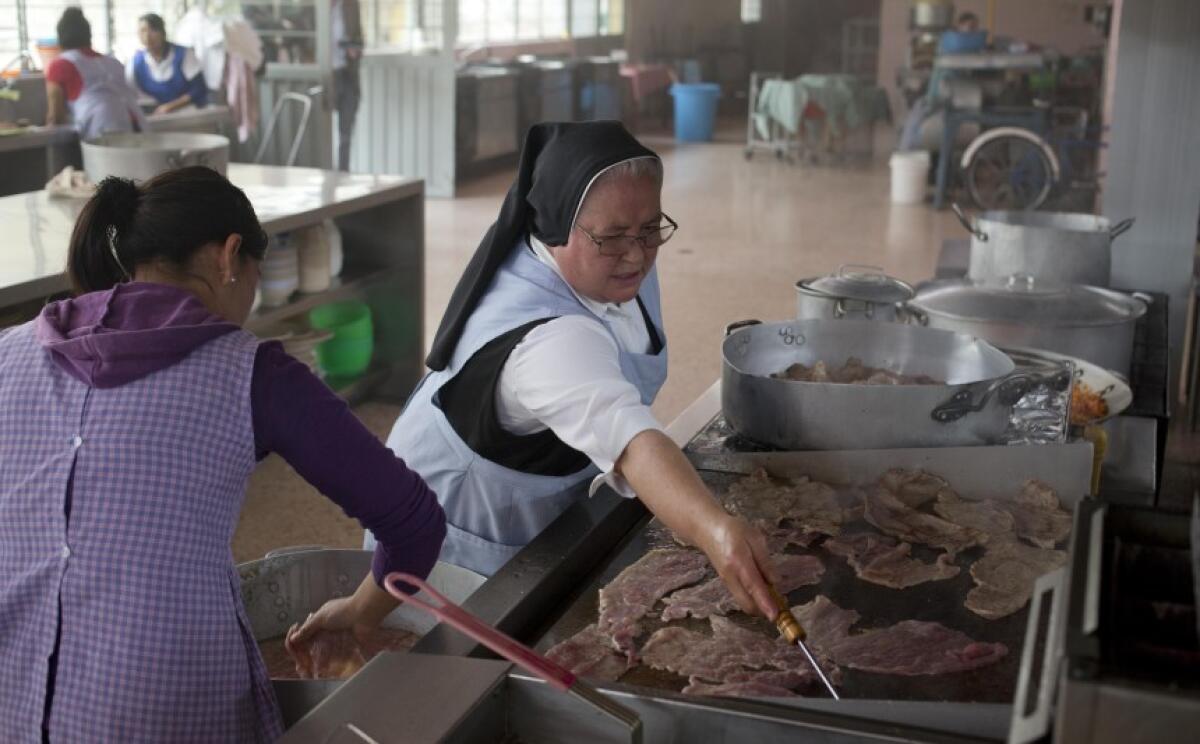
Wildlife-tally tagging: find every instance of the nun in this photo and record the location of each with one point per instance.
(548, 358)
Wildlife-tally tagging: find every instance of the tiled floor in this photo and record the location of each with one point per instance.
(748, 231)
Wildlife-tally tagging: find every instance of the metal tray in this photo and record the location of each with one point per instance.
(975, 472)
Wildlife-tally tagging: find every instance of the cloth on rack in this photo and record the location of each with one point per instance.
(206, 38)
(843, 101)
(241, 94)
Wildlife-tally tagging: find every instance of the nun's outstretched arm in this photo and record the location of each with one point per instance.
(669, 486)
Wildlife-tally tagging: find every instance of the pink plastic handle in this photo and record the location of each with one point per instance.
(453, 615)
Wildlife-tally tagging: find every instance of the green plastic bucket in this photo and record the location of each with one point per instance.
(349, 352)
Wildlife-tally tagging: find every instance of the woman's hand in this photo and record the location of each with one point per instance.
(738, 551)
(329, 642)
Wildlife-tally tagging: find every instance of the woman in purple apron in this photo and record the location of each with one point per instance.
(131, 417)
(87, 87)
(168, 73)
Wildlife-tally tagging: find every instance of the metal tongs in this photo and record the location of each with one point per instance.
(513, 650)
(791, 630)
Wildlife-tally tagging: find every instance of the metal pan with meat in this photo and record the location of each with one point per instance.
(910, 568)
(790, 385)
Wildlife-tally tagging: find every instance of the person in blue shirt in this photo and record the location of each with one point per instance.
(168, 73)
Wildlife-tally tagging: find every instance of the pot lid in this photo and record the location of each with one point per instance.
(1021, 299)
(863, 283)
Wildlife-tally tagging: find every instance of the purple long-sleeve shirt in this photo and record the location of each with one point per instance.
(110, 338)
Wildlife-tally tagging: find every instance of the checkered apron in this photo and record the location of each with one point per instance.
(117, 507)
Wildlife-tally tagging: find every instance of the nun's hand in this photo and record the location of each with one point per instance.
(738, 551)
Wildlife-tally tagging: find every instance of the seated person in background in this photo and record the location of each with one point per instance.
(168, 73)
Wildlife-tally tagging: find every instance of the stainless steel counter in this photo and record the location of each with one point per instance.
(382, 223)
(31, 158)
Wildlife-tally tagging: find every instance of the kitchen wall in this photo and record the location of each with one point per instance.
(658, 30)
(1050, 23)
(1153, 163)
(798, 37)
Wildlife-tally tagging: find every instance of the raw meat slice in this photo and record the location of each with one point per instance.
(985, 516)
(881, 560)
(339, 654)
(912, 487)
(749, 685)
(731, 650)
(589, 653)
(779, 538)
(1005, 575)
(891, 516)
(627, 599)
(1039, 516)
(909, 648)
(713, 597)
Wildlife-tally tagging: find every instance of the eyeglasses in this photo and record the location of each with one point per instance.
(613, 246)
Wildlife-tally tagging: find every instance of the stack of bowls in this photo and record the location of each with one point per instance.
(280, 272)
(348, 353)
(312, 247)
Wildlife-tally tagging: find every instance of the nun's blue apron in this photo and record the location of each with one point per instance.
(493, 511)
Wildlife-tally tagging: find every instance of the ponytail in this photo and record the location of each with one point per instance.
(164, 220)
(94, 260)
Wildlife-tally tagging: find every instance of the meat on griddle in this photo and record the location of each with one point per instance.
(727, 654)
(908, 648)
(1005, 575)
(807, 504)
(913, 487)
(630, 596)
(987, 516)
(853, 372)
(881, 560)
(589, 653)
(749, 685)
(713, 597)
(892, 517)
(1038, 515)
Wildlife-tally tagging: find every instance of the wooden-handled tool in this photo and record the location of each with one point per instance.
(792, 632)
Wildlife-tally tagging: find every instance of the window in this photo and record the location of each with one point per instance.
(402, 25)
(502, 21)
(10, 33)
(41, 18)
(751, 11)
(125, 22)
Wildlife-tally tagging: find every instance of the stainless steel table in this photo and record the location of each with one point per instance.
(383, 233)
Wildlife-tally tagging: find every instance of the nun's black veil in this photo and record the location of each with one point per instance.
(558, 162)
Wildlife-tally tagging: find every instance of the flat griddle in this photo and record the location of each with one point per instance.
(975, 472)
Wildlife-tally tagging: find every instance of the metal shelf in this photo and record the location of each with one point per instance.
(347, 286)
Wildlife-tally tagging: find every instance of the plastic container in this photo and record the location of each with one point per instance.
(695, 110)
(312, 247)
(349, 352)
(910, 171)
(48, 50)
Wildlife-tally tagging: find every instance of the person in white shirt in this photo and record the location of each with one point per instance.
(548, 358)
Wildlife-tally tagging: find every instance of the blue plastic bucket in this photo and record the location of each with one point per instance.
(695, 110)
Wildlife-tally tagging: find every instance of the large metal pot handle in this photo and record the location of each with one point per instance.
(966, 222)
(1120, 228)
(1008, 390)
(738, 325)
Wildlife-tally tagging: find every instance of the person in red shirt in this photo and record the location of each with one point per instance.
(86, 87)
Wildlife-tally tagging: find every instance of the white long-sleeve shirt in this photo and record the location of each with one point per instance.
(565, 375)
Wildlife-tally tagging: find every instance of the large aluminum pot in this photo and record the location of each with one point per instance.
(141, 156)
(1091, 323)
(1064, 247)
(972, 407)
(855, 292)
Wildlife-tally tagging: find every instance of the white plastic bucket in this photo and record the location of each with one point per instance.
(910, 170)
